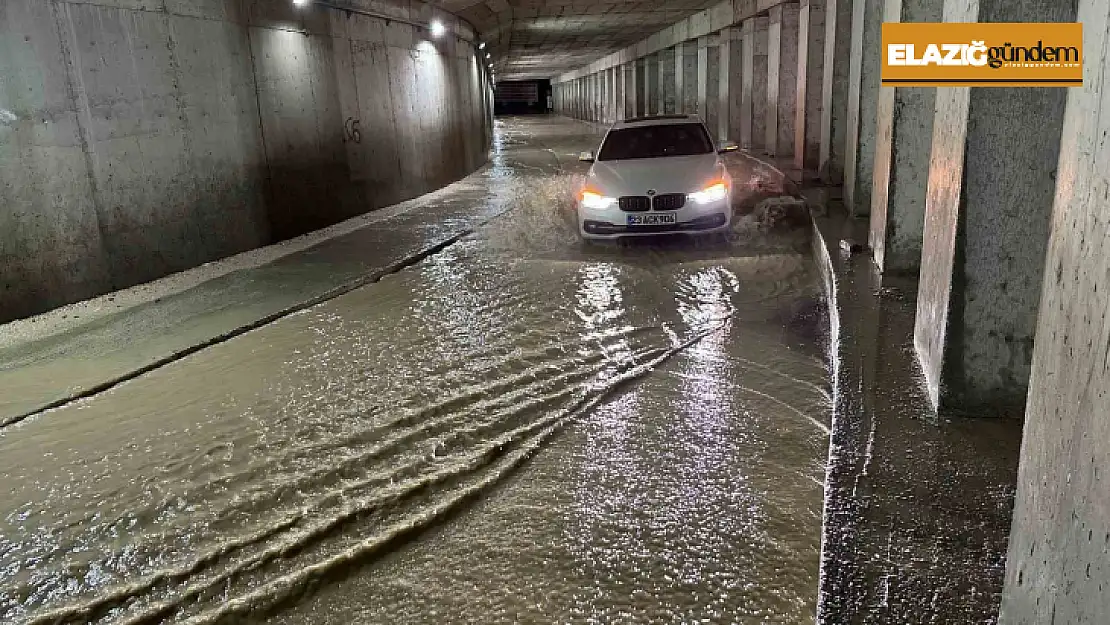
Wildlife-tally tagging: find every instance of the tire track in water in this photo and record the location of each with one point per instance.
(291, 585)
(425, 420)
(498, 456)
(569, 381)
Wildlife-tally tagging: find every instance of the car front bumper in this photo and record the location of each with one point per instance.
(613, 223)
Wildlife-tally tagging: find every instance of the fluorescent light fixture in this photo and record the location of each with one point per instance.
(482, 46)
(300, 3)
(438, 28)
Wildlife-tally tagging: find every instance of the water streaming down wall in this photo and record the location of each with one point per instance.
(143, 137)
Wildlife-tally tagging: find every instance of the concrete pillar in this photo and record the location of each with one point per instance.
(728, 55)
(602, 96)
(641, 87)
(689, 89)
(652, 90)
(903, 142)
(753, 105)
(587, 91)
(588, 97)
(622, 76)
(591, 97)
(782, 79)
(576, 95)
(1059, 556)
(713, 84)
(811, 58)
(747, 70)
(585, 95)
(614, 94)
(595, 97)
(667, 93)
(576, 98)
(634, 89)
(703, 78)
(618, 113)
(603, 93)
(989, 200)
(679, 79)
(598, 99)
(863, 104)
(834, 90)
(614, 97)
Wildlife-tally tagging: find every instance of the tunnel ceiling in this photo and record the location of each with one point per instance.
(545, 38)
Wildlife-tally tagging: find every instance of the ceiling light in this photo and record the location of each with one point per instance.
(300, 3)
(438, 29)
(482, 46)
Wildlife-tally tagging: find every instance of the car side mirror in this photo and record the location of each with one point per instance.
(586, 157)
(727, 146)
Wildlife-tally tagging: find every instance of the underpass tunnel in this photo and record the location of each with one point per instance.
(140, 138)
(986, 200)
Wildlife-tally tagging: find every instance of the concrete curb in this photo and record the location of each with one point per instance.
(831, 288)
(916, 511)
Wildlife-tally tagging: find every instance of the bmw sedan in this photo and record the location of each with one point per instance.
(655, 175)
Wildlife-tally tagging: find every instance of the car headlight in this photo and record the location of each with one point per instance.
(593, 200)
(713, 193)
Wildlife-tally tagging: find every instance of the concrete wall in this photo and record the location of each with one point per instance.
(811, 71)
(863, 104)
(689, 91)
(760, 112)
(667, 86)
(782, 79)
(142, 138)
(902, 150)
(992, 179)
(834, 90)
(732, 64)
(1059, 559)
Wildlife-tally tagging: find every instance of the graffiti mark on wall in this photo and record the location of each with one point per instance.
(351, 131)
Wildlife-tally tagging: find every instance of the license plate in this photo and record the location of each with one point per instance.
(651, 220)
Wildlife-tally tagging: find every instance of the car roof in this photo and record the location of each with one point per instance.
(656, 120)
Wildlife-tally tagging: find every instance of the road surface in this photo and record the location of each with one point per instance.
(518, 428)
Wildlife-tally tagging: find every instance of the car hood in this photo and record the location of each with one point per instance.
(676, 174)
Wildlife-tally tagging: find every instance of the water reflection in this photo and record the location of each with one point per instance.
(473, 396)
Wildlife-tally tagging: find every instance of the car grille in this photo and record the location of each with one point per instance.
(669, 202)
(634, 203)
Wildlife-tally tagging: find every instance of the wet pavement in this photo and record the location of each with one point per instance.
(500, 425)
(918, 505)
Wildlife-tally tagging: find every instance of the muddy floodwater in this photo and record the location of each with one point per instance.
(518, 429)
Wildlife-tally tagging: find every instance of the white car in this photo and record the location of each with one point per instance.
(655, 175)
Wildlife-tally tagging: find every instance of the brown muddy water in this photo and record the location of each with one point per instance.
(519, 429)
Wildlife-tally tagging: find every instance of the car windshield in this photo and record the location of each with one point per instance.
(686, 139)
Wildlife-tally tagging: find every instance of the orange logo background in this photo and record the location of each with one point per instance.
(982, 55)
